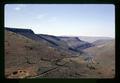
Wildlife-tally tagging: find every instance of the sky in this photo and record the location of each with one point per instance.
(62, 19)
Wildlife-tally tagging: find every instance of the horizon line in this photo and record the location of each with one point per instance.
(62, 35)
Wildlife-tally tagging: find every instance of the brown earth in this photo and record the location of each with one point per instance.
(26, 58)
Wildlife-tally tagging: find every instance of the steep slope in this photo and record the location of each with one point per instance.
(26, 32)
(25, 55)
(104, 55)
(50, 40)
(54, 40)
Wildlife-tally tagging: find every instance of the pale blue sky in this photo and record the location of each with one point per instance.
(63, 19)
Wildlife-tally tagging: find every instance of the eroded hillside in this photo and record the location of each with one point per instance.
(24, 53)
(27, 58)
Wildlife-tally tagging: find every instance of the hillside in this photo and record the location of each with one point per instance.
(26, 58)
(75, 43)
(24, 53)
(102, 41)
(72, 45)
(93, 39)
(50, 40)
(104, 55)
(54, 40)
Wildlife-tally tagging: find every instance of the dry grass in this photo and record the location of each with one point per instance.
(105, 58)
(26, 58)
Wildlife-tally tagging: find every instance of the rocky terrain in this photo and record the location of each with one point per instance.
(30, 55)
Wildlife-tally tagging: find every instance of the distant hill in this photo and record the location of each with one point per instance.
(75, 43)
(93, 39)
(102, 41)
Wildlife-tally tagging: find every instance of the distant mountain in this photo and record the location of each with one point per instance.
(75, 43)
(102, 41)
(93, 39)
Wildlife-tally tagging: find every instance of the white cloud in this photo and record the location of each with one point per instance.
(19, 7)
